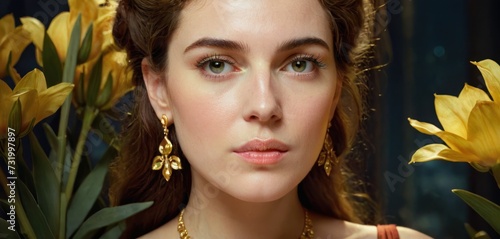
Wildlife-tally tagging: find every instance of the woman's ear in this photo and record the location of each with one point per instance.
(156, 89)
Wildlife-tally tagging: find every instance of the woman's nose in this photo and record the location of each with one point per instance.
(263, 100)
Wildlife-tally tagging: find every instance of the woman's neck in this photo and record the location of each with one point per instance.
(215, 214)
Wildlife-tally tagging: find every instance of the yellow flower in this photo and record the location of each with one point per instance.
(114, 63)
(92, 12)
(37, 102)
(471, 124)
(12, 40)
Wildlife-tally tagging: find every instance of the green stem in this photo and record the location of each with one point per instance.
(88, 117)
(62, 215)
(61, 138)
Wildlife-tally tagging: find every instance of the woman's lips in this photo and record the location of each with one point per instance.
(262, 152)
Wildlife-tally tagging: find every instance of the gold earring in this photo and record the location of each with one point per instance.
(164, 161)
(327, 156)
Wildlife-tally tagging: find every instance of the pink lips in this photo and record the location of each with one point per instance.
(262, 151)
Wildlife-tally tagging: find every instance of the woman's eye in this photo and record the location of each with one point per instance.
(300, 66)
(217, 67)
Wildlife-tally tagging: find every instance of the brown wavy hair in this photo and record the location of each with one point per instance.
(143, 29)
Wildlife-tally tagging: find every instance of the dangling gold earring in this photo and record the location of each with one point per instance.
(164, 161)
(327, 156)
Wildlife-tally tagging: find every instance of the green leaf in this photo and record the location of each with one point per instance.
(80, 94)
(108, 216)
(94, 84)
(29, 129)
(23, 171)
(87, 193)
(105, 94)
(52, 67)
(46, 183)
(36, 218)
(84, 51)
(488, 210)
(115, 231)
(6, 230)
(51, 136)
(72, 53)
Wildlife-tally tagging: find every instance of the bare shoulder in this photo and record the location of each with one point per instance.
(405, 232)
(331, 228)
(167, 230)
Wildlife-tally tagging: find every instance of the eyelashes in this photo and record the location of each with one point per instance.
(213, 58)
(316, 60)
(216, 66)
(220, 66)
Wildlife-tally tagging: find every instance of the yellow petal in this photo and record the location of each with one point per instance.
(484, 132)
(59, 31)
(6, 103)
(423, 127)
(7, 24)
(456, 142)
(87, 9)
(439, 151)
(116, 63)
(29, 106)
(14, 44)
(5, 89)
(51, 99)
(491, 74)
(34, 80)
(470, 95)
(89, 13)
(452, 114)
(36, 30)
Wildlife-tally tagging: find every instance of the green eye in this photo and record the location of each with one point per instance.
(299, 66)
(216, 67)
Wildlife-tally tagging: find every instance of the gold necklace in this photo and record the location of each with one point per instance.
(307, 232)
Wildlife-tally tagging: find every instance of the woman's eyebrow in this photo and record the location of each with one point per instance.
(298, 42)
(238, 46)
(217, 43)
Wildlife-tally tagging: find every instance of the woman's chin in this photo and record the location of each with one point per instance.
(260, 188)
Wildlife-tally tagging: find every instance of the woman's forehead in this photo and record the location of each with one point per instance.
(256, 20)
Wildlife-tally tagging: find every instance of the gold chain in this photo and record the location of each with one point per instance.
(307, 232)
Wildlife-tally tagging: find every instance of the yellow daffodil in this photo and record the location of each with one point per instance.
(471, 124)
(37, 102)
(13, 40)
(114, 63)
(100, 15)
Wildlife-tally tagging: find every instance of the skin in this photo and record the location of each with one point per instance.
(259, 87)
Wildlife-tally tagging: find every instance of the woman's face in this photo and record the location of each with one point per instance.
(251, 87)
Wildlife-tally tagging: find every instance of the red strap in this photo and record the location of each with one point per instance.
(387, 232)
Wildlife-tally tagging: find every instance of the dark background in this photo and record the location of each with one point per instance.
(427, 45)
